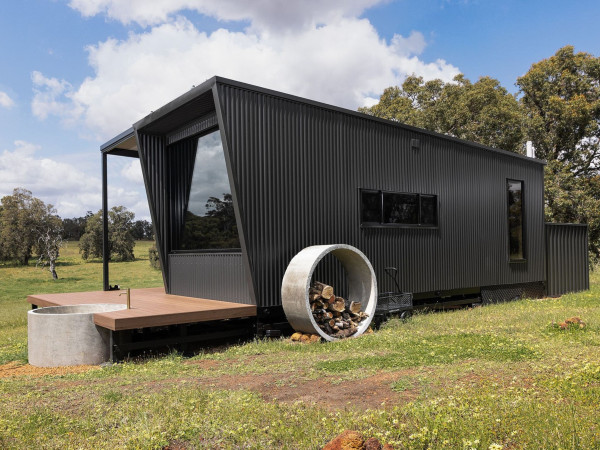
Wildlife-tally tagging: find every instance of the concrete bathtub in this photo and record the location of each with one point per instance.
(67, 335)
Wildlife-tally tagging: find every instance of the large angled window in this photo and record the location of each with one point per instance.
(210, 219)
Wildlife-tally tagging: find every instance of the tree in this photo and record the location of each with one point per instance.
(120, 239)
(75, 227)
(142, 229)
(561, 96)
(21, 223)
(49, 244)
(90, 244)
(482, 112)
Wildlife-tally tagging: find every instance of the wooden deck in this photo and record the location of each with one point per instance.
(149, 308)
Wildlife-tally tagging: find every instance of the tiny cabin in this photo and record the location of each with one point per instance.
(240, 179)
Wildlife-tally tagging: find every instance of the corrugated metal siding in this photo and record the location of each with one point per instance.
(192, 128)
(181, 158)
(298, 168)
(217, 276)
(567, 248)
(153, 160)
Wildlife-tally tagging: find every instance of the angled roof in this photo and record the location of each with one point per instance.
(200, 100)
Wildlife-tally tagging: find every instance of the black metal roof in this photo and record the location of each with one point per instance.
(199, 100)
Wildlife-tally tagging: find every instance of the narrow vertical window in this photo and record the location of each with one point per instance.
(515, 221)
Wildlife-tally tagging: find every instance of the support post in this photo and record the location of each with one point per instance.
(105, 249)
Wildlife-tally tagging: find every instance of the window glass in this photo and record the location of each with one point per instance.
(515, 219)
(429, 210)
(401, 208)
(386, 209)
(370, 206)
(210, 219)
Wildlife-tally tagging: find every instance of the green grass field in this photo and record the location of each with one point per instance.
(500, 376)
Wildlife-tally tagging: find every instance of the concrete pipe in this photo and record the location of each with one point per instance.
(362, 285)
(67, 335)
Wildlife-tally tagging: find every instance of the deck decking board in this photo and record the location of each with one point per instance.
(150, 307)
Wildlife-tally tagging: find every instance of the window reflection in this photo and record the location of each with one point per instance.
(370, 207)
(515, 219)
(210, 219)
(429, 210)
(400, 208)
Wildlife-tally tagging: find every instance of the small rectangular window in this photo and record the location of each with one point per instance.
(516, 247)
(370, 207)
(401, 209)
(429, 210)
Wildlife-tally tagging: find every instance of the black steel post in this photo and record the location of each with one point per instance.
(105, 251)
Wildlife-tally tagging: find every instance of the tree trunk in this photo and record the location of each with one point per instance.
(53, 269)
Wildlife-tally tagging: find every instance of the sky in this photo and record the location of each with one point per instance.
(75, 73)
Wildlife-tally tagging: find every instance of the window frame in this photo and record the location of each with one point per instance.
(382, 224)
(512, 260)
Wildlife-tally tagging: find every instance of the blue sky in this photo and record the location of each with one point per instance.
(75, 73)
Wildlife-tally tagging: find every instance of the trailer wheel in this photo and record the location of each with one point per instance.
(405, 315)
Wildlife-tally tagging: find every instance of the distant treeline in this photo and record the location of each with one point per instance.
(73, 229)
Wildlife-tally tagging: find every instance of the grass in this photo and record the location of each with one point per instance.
(500, 376)
(75, 275)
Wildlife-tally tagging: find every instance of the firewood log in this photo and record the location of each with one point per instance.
(355, 307)
(325, 290)
(313, 295)
(296, 336)
(338, 305)
(314, 338)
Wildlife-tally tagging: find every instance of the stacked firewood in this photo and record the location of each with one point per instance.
(334, 315)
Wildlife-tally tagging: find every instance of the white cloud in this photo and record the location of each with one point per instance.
(343, 62)
(274, 15)
(133, 171)
(69, 189)
(5, 100)
(53, 96)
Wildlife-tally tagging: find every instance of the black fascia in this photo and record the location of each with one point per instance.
(175, 104)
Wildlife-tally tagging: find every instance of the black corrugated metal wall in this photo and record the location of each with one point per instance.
(298, 168)
(567, 249)
(154, 170)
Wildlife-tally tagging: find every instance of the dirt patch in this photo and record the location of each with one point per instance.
(370, 392)
(14, 369)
